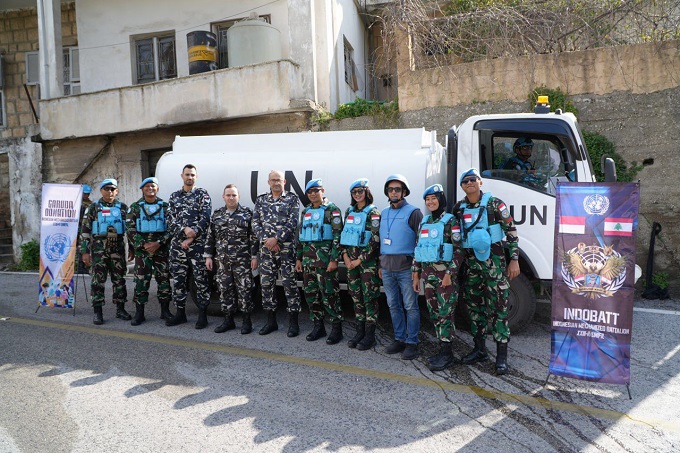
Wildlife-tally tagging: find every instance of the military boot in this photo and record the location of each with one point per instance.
(98, 316)
(179, 318)
(361, 331)
(369, 339)
(165, 310)
(121, 313)
(479, 352)
(139, 315)
(271, 325)
(443, 359)
(336, 333)
(202, 322)
(293, 325)
(227, 324)
(318, 331)
(247, 325)
(501, 358)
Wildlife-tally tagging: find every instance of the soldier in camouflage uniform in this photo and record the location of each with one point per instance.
(232, 244)
(318, 251)
(360, 249)
(484, 221)
(275, 220)
(148, 235)
(84, 204)
(188, 219)
(437, 258)
(103, 247)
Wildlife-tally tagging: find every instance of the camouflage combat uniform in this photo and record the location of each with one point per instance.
(80, 266)
(277, 218)
(149, 264)
(363, 282)
(107, 251)
(320, 286)
(193, 210)
(231, 243)
(441, 301)
(486, 286)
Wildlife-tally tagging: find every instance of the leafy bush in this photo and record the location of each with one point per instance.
(660, 279)
(598, 145)
(558, 99)
(363, 107)
(30, 256)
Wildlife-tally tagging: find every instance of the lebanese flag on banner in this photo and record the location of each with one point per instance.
(572, 224)
(615, 226)
(424, 233)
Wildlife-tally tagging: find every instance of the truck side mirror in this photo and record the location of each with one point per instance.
(608, 167)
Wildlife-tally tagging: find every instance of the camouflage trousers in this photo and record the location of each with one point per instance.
(105, 261)
(148, 265)
(270, 264)
(181, 262)
(235, 280)
(363, 285)
(322, 292)
(486, 292)
(441, 301)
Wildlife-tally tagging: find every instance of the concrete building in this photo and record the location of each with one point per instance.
(94, 89)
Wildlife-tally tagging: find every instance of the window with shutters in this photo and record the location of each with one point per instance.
(154, 57)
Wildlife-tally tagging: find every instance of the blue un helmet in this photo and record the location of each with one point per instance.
(87, 189)
(314, 183)
(397, 177)
(521, 142)
(109, 182)
(361, 182)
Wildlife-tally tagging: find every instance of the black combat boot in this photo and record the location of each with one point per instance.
(165, 311)
(336, 333)
(139, 315)
(443, 359)
(479, 352)
(501, 358)
(202, 322)
(293, 325)
(121, 313)
(179, 318)
(247, 325)
(361, 331)
(318, 331)
(98, 316)
(271, 325)
(227, 324)
(369, 339)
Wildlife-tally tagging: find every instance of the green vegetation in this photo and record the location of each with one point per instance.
(598, 145)
(660, 279)
(363, 107)
(30, 256)
(558, 99)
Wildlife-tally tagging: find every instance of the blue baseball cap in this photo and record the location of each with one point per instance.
(470, 172)
(361, 182)
(87, 188)
(148, 180)
(313, 183)
(433, 189)
(109, 182)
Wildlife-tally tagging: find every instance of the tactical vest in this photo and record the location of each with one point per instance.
(355, 232)
(313, 228)
(480, 236)
(394, 227)
(151, 218)
(431, 247)
(526, 166)
(108, 217)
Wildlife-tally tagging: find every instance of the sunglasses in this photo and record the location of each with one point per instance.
(315, 190)
(358, 191)
(110, 189)
(468, 180)
(394, 189)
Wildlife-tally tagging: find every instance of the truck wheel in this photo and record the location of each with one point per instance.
(521, 304)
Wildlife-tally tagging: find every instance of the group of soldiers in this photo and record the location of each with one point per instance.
(396, 247)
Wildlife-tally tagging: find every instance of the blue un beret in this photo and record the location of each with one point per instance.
(148, 180)
(87, 188)
(361, 182)
(433, 189)
(313, 183)
(108, 182)
(470, 172)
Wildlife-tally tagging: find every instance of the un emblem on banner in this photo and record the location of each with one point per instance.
(593, 271)
(57, 247)
(596, 204)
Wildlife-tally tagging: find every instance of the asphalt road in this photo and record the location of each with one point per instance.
(67, 385)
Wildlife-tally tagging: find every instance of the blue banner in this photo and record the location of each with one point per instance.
(593, 280)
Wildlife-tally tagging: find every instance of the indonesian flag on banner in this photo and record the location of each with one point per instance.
(106, 211)
(424, 233)
(308, 216)
(614, 226)
(350, 218)
(572, 224)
